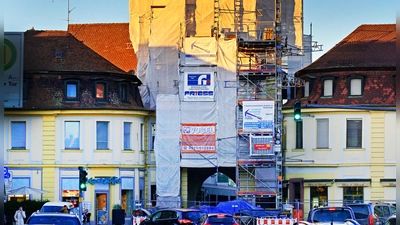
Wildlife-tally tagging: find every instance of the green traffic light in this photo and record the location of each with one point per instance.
(83, 186)
(297, 117)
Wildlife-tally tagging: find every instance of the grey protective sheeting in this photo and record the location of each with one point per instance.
(167, 148)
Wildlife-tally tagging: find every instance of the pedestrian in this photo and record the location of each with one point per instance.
(86, 217)
(64, 209)
(19, 216)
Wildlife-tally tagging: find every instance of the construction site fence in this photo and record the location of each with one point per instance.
(152, 205)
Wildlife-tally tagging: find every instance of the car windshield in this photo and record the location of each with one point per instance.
(331, 215)
(55, 220)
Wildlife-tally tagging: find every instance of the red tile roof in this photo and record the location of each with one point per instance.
(369, 51)
(40, 48)
(109, 40)
(369, 45)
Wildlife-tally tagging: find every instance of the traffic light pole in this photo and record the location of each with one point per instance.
(80, 205)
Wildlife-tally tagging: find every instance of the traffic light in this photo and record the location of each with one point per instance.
(297, 110)
(82, 179)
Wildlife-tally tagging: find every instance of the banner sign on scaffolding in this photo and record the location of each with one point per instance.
(13, 69)
(198, 138)
(258, 116)
(198, 86)
(200, 51)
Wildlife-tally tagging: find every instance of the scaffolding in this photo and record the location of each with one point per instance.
(259, 90)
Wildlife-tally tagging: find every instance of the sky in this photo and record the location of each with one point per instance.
(332, 20)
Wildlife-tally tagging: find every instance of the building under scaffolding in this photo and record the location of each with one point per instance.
(214, 72)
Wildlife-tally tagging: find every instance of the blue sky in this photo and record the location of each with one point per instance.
(332, 20)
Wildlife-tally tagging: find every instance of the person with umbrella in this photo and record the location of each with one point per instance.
(19, 216)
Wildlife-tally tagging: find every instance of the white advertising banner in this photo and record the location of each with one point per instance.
(198, 138)
(198, 86)
(200, 51)
(258, 116)
(13, 69)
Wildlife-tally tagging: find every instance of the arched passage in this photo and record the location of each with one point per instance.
(196, 178)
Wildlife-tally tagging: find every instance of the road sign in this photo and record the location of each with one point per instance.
(6, 173)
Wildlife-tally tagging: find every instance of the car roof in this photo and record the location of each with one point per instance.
(58, 204)
(54, 213)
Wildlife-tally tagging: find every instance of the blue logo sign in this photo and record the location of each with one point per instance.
(6, 173)
(199, 80)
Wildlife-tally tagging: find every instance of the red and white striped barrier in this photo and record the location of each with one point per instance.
(138, 219)
(267, 221)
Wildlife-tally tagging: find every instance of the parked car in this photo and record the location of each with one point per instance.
(54, 219)
(384, 211)
(55, 206)
(218, 219)
(372, 214)
(332, 215)
(391, 220)
(174, 217)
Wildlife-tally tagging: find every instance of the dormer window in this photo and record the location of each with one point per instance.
(306, 89)
(328, 87)
(123, 92)
(308, 86)
(101, 91)
(71, 90)
(355, 85)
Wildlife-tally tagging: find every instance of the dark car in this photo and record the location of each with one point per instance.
(174, 217)
(218, 219)
(384, 211)
(332, 215)
(391, 220)
(372, 214)
(54, 219)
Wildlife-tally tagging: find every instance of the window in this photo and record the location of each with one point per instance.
(328, 88)
(353, 134)
(353, 194)
(102, 135)
(127, 136)
(141, 137)
(72, 90)
(307, 89)
(322, 133)
(101, 91)
(153, 136)
(299, 134)
(123, 92)
(18, 135)
(319, 196)
(355, 86)
(72, 134)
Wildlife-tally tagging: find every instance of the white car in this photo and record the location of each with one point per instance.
(56, 207)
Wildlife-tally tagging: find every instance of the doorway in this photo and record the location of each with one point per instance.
(102, 207)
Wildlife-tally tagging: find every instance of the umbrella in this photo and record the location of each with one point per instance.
(26, 191)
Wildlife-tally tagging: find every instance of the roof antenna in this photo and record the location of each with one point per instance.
(69, 11)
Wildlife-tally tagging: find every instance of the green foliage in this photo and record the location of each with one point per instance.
(29, 206)
(117, 206)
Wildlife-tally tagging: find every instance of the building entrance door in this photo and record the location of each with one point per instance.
(102, 207)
